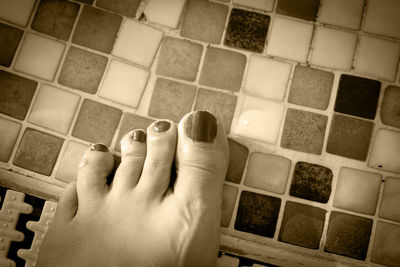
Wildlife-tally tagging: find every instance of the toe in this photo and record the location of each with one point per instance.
(68, 203)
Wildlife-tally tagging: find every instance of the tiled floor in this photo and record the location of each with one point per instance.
(308, 92)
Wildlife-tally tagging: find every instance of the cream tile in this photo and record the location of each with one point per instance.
(68, 169)
(164, 12)
(390, 199)
(8, 136)
(385, 152)
(266, 5)
(227, 261)
(16, 11)
(346, 13)
(382, 17)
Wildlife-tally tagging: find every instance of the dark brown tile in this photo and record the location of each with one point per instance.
(238, 155)
(302, 9)
(9, 41)
(89, 2)
(124, 7)
(390, 110)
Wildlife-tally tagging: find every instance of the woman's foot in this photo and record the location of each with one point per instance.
(143, 218)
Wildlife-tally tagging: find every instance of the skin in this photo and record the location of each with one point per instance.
(141, 219)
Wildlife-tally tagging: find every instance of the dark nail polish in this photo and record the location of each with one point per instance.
(161, 126)
(99, 147)
(201, 126)
(139, 136)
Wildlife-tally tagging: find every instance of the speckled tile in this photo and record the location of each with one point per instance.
(257, 214)
(124, 7)
(171, 99)
(38, 151)
(223, 69)
(247, 30)
(229, 194)
(204, 21)
(304, 131)
(390, 199)
(302, 225)
(179, 58)
(68, 169)
(96, 122)
(9, 41)
(342, 13)
(97, 29)
(349, 137)
(55, 18)
(16, 11)
(16, 94)
(382, 17)
(390, 109)
(385, 152)
(264, 5)
(220, 104)
(302, 9)
(8, 137)
(311, 87)
(348, 235)
(386, 244)
(238, 154)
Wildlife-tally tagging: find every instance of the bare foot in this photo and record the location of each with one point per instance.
(142, 219)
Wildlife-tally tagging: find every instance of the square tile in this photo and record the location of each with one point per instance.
(264, 5)
(164, 12)
(96, 122)
(386, 244)
(267, 172)
(89, 2)
(382, 18)
(68, 169)
(311, 87)
(8, 137)
(44, 61)
(390, 109)
(124, 7)
(204, 21)
(227, 261)
(16, 11)
(9, 41)
(179, 59)
(257, 214)
(267, 77)
(290, 39)
(304, 131)
(55, 18)
(223, 69)
(82, 70)
(38, 151)
(348, 235)
(385, 152)
(311, 181)
(229, 194)
(357, 96)
(390, 199)
(260, 119)
(302, 9)
(54, 108)
(377, 58)
(333, 48)
(137, 42)
(349, 137)
(357, 190)
(16, 94)
(238, 154)
(247, 30)
(124, 83)
(220, 104)
(342, 13)
(97, 29)
(302, 225)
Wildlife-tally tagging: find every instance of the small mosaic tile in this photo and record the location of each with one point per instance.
(227, 261)
(267, 77)
(349, 137)
(124, 83)
(311, 87)
(55, 18)
(302, 9)
(382, 18)
(16, 11)
(304, 131)
(390, 199)
(97, 29)
(9, 41)
(16, 94)
(238, 154)
(386, 244)
(38, 151)
(82, 70)
(357, 96)
(333, 48)
(265, 5)
(229, 194)
(96, 122)
(357, 190)
(179, 59)
(124, 7)
(54, 108)
(267, 172)
(247, 30)
(68, 169)
(171, 99)
(204, 21)
(385, 153)
(8, 137)
(348, 235)
(257, 214)
(290, 39)
(164, 12)
(302, 225)
(44, 62)
(377, 58)
(342, 13)
(220, 104)
(390, 109)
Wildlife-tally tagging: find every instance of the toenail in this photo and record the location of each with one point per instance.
(99, 147)
(201, 126)
(138, 136)
(161, 126)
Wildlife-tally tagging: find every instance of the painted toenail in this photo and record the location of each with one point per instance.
(138, 136)
(201, 126)
(99, 147)
(161, 126)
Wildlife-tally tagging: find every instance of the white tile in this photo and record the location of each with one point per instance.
(385, 154)
(333, 48)
(377, 58)
(137, 42)
(39, 56)
(346, 13)
(260, 119)
(267, 77)
(8, 135)
(390, 199)
(68, 169)
(16, 11)
(227, 261)
(383, 17)
(124, 83)
(290, 39)
(54, 108)
(266, 5)
(164, 12)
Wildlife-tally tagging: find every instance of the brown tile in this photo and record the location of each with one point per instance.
(9, 41)
(124, 7)
(302, 9)
(89, 2)
(238, 155)
(386, 244)
(390, 110)
(229, 195)
(8, 136)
